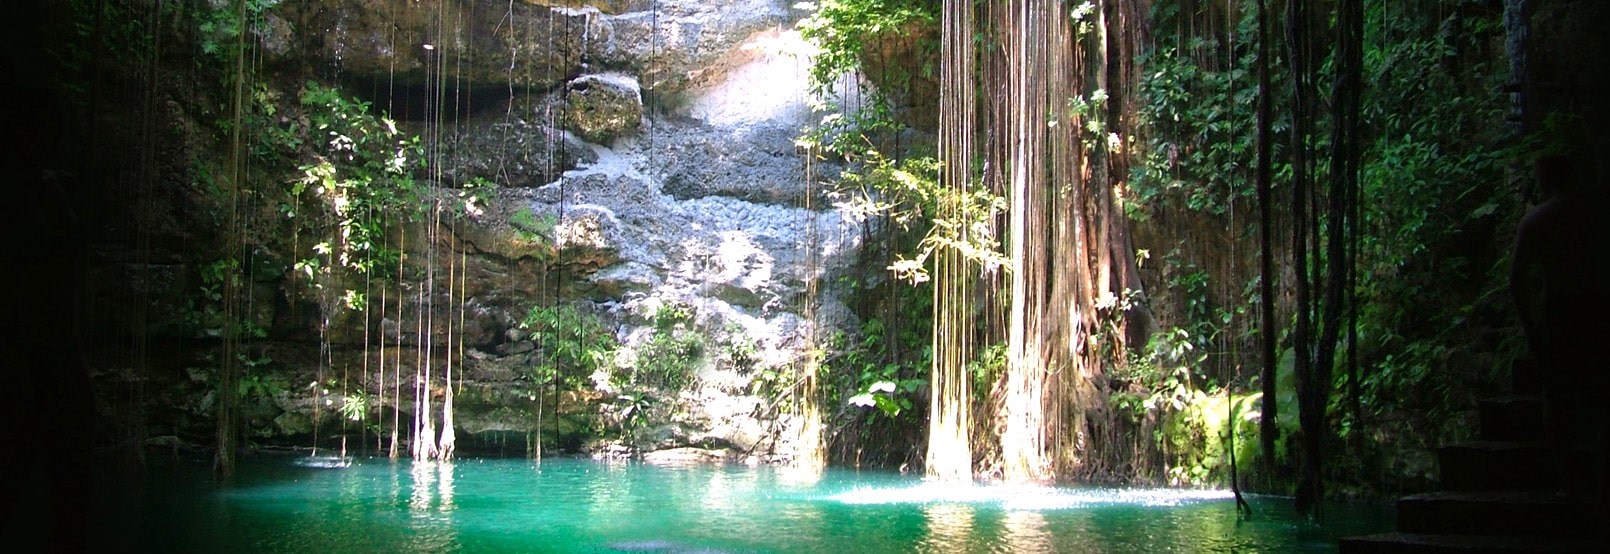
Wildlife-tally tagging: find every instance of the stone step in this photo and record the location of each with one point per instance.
(1507, 466)
(1499, 493)
(1399, 542)
(1519, 513)
(1520, 417)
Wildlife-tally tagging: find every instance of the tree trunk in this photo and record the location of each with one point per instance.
(1298, 35)
(1269, 336)
(1066, 235)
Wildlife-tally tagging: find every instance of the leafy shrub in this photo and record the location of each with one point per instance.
(571, 345)
(669, 359)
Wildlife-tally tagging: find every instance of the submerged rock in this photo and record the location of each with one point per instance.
(689, 455)
(323, 462)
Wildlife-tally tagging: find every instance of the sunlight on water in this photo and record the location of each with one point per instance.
(1019, 497)
(473, 505)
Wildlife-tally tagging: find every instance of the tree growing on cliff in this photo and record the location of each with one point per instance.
(1048, 147)
(1038, 84)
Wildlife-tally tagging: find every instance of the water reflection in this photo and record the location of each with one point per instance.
(419, 498)
(1023, 497)
(950, 527)
(1025, 531)
(445, 478)
(430, 505)
(717, 495)
(609, 496)
(580, 506)
(798, 477)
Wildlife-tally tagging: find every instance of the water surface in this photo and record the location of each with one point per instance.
(570, 505)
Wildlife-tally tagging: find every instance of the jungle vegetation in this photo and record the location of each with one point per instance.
(1154, 232)
(1190, 242)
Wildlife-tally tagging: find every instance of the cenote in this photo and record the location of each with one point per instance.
(580, 505)
(492, 243)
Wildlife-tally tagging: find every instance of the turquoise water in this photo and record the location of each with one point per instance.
(568, 505)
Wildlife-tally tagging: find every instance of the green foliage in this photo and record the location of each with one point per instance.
(1111, 309)
(1090, 112)
(888, 396)
(1432, 268)
(474, 195)
(885, 365)
(1196, 437)
(987, 368)
(354, 406)
(772, 383)
(907, 194)
(1432, 172)
(1430, 264)
(356, 181)
(631, 413)
(672, 315)
(739, 349)
(670, 357)
(882, 385)
(533, 228)
(571, 345)
(775, 382)
(843, 30)
(915, 201)
(1200, 134)
(845, 33)
(256, 382)
(220, 23)
(880, 379)
(98, 31)
(205, 314)
(1193, 422)
(1164, 367)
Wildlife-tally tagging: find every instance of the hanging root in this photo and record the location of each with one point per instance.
(1241, 505)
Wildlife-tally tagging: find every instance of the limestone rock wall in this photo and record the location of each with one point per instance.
(644, 159)
(529, 44)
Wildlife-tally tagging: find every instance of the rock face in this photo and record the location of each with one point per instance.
(514, 151)
(409, 42)
(534, 45)
(675, 45)
(649, 193)
(602, 107)
(708, 210)
(647, 177)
